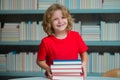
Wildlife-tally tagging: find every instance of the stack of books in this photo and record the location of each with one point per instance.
(67, 69)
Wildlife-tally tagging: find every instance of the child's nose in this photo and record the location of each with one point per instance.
(60, 20)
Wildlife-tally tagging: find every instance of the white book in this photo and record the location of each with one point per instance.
(68, 78)
(66, 74)
(66, 70)
(66, 66)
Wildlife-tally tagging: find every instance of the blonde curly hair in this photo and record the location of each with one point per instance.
(47, 18)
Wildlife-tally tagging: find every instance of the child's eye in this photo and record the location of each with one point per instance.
(55, 19)
(63, 17)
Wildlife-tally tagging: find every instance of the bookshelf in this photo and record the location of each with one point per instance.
(85, 15)
(89, 16)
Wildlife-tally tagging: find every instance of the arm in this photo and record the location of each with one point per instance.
(43, 65)
(84, 58)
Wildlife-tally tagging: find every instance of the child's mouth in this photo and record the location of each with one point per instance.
(60, 25)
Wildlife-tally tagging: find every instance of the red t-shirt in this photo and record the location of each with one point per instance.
(68, 48)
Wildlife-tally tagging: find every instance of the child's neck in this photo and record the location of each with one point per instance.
(61, 35)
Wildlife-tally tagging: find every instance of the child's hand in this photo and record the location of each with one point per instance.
(49, 74)
(84, 65)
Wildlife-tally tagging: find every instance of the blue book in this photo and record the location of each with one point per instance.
(67, 3)
(78, 4)
(90, 62)
(67, 62)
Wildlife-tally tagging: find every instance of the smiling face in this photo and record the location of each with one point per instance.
(57, 19)
(59, 22)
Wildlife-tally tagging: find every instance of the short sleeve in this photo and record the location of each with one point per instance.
(81, 44)
(41, 54)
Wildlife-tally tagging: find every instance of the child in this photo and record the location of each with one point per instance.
(61, 43)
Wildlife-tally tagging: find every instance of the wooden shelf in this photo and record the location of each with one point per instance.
(84, 15)
(21, 73)
(103, 43)
(31, 46)
(89, 43)
(19, 43)
(35, 74)
(71, 11)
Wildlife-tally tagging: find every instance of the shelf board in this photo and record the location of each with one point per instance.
(33, 46)
(21, 74)
(95, 11)
(22, 11)
(94, 74)
(89, 43)
(36, 74)
(72, 11)
(103, 43)
(20, 43)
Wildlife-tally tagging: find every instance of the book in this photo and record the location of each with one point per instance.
(67, 74)
(67, 69)
(66, 66)
(68, 78)
(67, 62)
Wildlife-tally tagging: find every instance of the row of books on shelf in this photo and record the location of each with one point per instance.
(32, 30)
(18, 4)
(22, 31)
(71, 4)
(21, 62)
(100, 63)
(110, 4)
(104, 31)
(26, 61)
